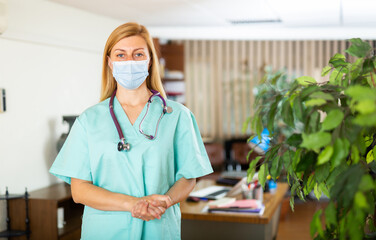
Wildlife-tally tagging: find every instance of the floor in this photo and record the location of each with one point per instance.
(296, 225)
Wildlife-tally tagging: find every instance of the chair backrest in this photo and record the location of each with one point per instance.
(240, 151)
(216, 155)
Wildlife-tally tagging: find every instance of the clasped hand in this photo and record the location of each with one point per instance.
(151, 207)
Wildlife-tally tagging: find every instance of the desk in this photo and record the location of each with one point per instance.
(199, 225)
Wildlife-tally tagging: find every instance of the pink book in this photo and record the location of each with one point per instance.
(246, 203)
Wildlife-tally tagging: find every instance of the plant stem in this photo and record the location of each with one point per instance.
(373, 81)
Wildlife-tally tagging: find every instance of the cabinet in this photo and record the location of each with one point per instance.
(11, 232)
(43, 208)
(171, 58)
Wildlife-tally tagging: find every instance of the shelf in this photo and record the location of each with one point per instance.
(72, 225)
(12, 233)
(12, 196)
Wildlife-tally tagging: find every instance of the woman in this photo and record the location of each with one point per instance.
(132, 191)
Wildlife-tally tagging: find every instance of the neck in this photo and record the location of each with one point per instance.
(133, 97)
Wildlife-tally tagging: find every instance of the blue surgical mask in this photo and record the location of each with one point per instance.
(130, 74)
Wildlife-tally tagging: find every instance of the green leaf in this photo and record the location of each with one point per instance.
(370, 158)
(294, 140)
(355, 154)
(314, 122)
(246, 124)
(310, 185)
(346, 184)
(317, 191)
(361, 201)
(365, 106)
(316, 140)
(322, 172)
(308, 161)
(338, 60)
(341, 150)
(322, 95)
(359, 48)
(306, 80)
(367, 66)
(356, 68)
(330, 215)
(287, 114)
(332, 120)
(298, 108)
(358, 93)
(276, 169)
(315, 102)
(365, 120)
(325, 155)
(335, 77)
(292, 203)
(306, 92)
(325, 70)
(315, 225)
(262, 174)
(324, 189)
(366, 183)
(296, 159)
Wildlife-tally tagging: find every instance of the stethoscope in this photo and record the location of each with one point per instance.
(123, 144)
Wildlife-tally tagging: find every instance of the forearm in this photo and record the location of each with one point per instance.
(86, 193)
(181, 189)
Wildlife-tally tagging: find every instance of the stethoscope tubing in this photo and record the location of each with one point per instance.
(123, 145)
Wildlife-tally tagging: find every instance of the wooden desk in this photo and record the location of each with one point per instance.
(199, 225)
(43, 205)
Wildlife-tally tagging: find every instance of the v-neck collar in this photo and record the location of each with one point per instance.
(124, 121)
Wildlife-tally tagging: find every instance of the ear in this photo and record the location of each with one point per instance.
(109, 62)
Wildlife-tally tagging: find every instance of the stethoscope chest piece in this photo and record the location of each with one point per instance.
(122, 145)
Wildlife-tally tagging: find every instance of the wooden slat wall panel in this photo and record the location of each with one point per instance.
(221, 75)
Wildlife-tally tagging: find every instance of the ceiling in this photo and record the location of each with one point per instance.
(209, 13)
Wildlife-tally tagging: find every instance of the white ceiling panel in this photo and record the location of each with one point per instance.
(308, 13)
(359, 12)
(224, 13)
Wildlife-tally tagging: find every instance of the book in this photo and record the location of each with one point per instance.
(255, 211)
(221, 202)
(239, 204)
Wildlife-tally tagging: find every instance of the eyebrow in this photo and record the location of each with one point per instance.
(122, 50)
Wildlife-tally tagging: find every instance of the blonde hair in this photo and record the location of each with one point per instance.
(153, 81)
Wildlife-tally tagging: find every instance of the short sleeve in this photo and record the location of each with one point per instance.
(191, 159)
(73, 158)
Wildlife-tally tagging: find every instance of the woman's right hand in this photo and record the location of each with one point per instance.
(147, 210)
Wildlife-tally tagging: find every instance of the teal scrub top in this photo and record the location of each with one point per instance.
(150, 167)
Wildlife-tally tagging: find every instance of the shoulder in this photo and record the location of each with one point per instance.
(95, 112)
(184, 115)
(178, 108)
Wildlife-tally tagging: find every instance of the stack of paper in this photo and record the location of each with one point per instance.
(238, 206)
(221, 202)
(210, 193)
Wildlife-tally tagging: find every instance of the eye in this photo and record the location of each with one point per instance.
(120, 55)
(139, 55)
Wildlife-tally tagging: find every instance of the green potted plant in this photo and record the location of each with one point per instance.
(323, 139)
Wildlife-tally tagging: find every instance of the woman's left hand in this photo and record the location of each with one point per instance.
(157, 200)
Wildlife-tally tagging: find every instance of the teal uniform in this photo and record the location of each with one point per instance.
(150, 167)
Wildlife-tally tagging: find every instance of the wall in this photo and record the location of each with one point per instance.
(50, 65)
